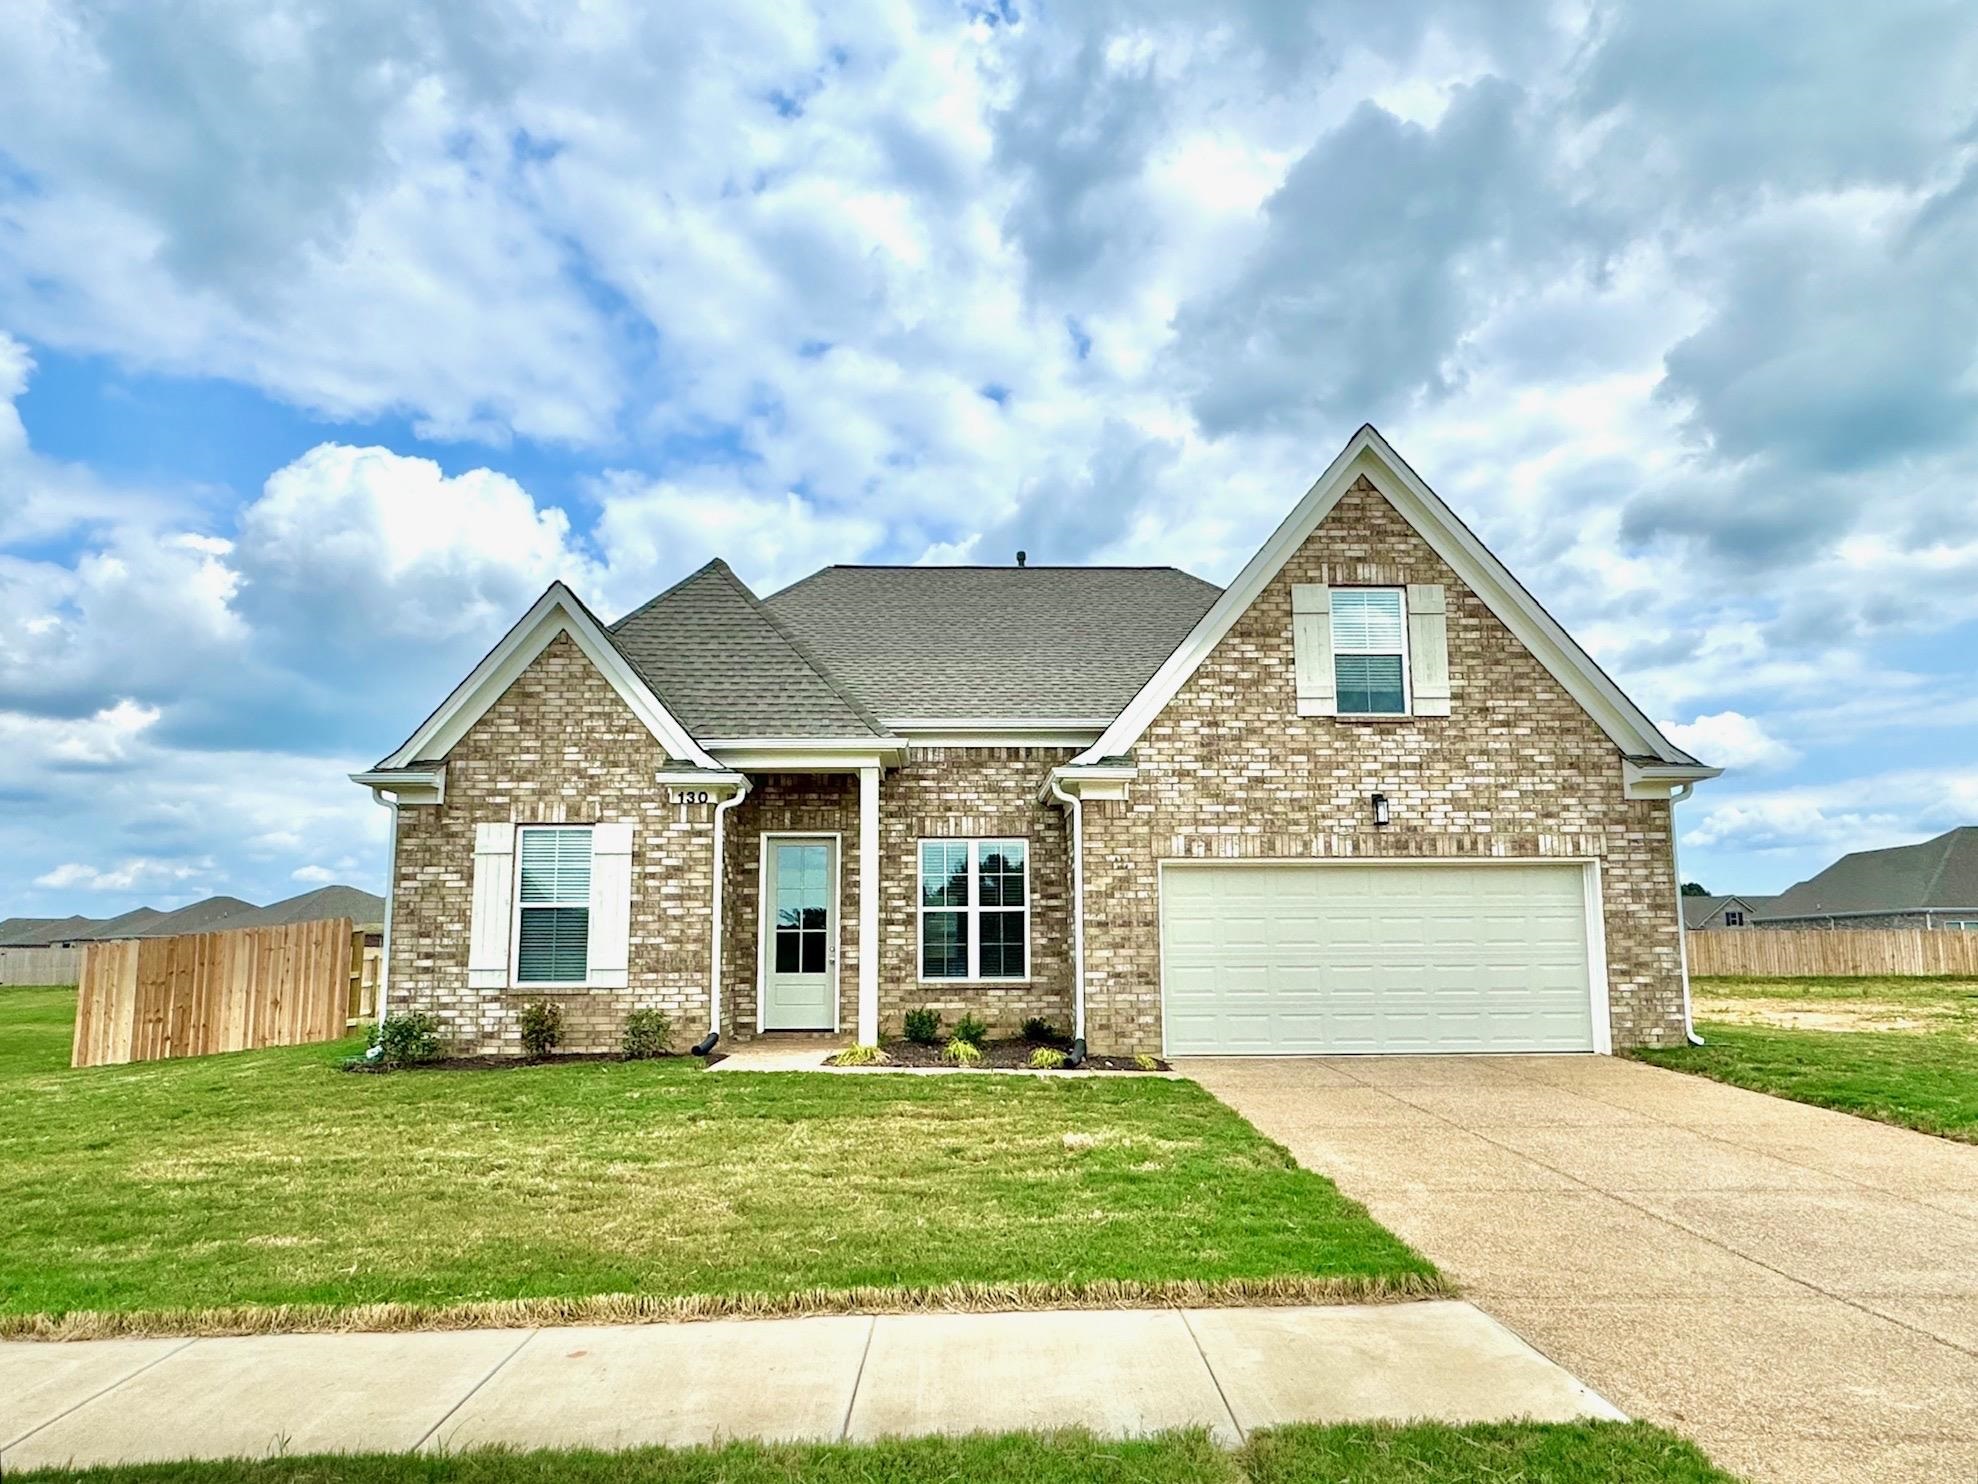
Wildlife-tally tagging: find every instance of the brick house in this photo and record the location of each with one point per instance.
(1369, 798)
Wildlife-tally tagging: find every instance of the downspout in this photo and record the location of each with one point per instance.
(391, 898)
(714, 967)
(1682, 927)
(1076, 807)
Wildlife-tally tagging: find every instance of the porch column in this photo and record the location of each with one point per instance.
(868, 906)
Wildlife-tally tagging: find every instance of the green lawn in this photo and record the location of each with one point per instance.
(1829, 1042)
(271, 1178)
(1516, 1453)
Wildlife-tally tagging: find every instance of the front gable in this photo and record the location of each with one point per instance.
(1370, 521)
(557, 614)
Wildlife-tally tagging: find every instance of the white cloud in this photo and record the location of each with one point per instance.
(136, 874)
(1863, 813)
(313, 875)
(1728, 739)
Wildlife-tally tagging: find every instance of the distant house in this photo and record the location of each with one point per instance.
(1700, 913)
(1930, 885)
(214, 914)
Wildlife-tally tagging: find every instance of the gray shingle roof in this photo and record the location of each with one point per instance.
(1059, 642)
(1699, 910)
(33, 932)
(727, 667)
(1905, 878)
(361, 907)
(207, 916)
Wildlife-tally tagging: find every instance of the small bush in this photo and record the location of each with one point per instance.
(961, 1053)
(406, 1040)
(861, 1056)
(1047, 1058)
(923, 1026)
(1146, 1063)
(971, 1031)
(648, 1033)
(542, 1027)
(1037, 1028)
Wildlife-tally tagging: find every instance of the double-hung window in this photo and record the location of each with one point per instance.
(553, 905)
(974, 909)
(1369, 651)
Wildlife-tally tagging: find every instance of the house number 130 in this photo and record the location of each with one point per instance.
(692, 796)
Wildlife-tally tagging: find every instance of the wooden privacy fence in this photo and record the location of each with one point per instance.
(141, 999)
(1768, 953)
(39, 965)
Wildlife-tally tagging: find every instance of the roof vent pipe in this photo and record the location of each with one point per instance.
(1022, 557)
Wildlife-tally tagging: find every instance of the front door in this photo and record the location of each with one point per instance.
(800, 925)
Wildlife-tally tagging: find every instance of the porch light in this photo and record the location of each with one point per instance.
(1380, 809)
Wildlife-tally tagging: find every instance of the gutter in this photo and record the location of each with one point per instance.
(1075, 806)
(1682, 927)
(714, 964)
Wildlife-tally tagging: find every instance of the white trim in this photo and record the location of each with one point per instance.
(1682, 924)
(1672, 781)
(1598, 994)
(557, 986)
(411, 786)
(978, 731)
(797, 755)
(833, 954)
(557, 611)
(1366, 452)
(391, 901)
(971, 911)
(1089, 781)
(1083, 737)
(1074, 805)
(868, 939)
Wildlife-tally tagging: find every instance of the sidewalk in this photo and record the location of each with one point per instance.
(1113, 1371)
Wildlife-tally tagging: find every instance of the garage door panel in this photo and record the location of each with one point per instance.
(1356, 958)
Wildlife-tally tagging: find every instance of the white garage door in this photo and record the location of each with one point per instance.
(1395, 958)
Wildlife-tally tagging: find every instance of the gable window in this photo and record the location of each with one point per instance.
(553, 905)
(1369, 651)
(974, 909)
(1733, 918)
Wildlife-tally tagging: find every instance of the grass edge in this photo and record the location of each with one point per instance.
(634, 1308)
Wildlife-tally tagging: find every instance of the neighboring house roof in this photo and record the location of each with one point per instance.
(129, 925)
(208, 916)
(727, 667)
(1933, 874)
(1699, 910)
(361, 907)
(39, 932)
(949, 643)
(1368, 454)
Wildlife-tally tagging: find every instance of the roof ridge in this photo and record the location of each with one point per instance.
(667, 592)
(803, 651)
(1950, 842)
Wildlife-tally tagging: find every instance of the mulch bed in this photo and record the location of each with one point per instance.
(1004, 1056)
(501, 1063)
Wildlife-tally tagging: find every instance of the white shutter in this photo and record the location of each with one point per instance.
(1428, 648)
(611, 907)
(1311, 645)
(494, 900)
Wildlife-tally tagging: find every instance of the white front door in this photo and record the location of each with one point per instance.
(1414, 957)
(800, 934)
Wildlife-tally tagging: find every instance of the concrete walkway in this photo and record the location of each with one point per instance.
(1114, 1371)
(1795, 1289)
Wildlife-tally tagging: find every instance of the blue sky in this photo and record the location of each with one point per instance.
(330, 335)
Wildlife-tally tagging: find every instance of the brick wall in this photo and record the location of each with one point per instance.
(1230, 770)
(559, 747)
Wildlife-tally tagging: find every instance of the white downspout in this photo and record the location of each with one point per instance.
(391, 898)
(714, 968)
(1076, 807)
(1682, 927)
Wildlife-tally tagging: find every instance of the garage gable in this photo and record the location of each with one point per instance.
(1368, 461)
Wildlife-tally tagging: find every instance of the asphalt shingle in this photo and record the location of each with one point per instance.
(1939, 873)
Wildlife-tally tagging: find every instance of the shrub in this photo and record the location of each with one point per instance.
(1037, 1028)
(1047, 1058)
(542, 1027)
(971, 1031)
(648, 1033)
(923, 1026)
(1146, 1063)
(962, 1053)
(406, 1040)
(861, 1056)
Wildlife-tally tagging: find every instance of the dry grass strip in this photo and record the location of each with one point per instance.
(633, 1308)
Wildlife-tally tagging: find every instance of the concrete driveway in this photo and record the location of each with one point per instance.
(1795, 1289)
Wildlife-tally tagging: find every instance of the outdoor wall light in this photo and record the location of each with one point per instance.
(1380, 809)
